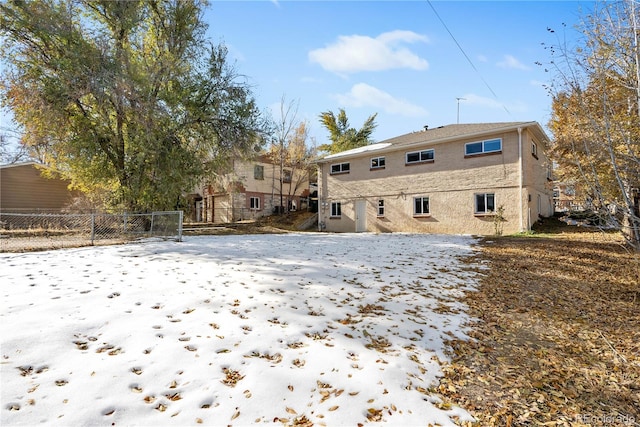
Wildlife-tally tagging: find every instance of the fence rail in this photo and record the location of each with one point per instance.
(38, 231)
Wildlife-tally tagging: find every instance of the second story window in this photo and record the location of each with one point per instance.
(534, 150)
(420, 156)
(378, 163)
(258, 172)
(340, 168)
(286, 175)
(483, 147)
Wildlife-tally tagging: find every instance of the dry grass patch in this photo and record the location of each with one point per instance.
(558, 337)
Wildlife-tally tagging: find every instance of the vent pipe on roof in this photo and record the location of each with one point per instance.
(426, 127)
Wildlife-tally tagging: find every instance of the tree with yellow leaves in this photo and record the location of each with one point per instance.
(596, 114)
(125, 97)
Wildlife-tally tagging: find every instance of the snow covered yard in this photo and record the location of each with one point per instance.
(298, 329)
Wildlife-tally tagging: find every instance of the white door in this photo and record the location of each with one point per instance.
(361, 216)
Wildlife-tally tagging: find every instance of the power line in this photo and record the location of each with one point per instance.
(467, 57)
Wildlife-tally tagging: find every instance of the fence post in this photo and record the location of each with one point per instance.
(153, 216)
(180, 218)
(125, 223)
(93, 228)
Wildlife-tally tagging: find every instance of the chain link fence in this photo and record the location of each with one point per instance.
(39, 231)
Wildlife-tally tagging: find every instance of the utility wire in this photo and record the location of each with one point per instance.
(467, 57)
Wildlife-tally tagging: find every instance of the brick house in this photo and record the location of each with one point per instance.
(452, 179)
(251, 189)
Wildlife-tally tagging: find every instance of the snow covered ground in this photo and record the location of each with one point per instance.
(333, 329)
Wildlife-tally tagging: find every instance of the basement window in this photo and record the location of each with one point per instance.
(336, 209)
(485, 203)
(254, 203)
(421, 206)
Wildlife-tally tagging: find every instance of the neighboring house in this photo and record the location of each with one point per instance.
(564, 198)
(23, 188)
(251, 189)
(451, 179)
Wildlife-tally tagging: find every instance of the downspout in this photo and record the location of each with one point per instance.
(520, 179)
(321, 197)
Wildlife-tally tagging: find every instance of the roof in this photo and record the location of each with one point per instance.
(439, 135)
(30, 163)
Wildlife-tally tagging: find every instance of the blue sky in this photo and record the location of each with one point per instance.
(396, 58)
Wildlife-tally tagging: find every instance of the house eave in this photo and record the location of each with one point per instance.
(391, 147)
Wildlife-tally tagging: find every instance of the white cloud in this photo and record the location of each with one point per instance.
(351, 54)
(510, 61)
(483, 58)
(364, 95)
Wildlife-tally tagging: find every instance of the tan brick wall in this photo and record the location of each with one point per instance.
(450, 182)
(232, 202)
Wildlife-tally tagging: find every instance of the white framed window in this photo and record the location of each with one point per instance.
(483, 147)
(534, 149)
(286, 175)
(336, 209)
(378, 163)
(485, 203)
(420, 156)
(380, 208)
(254, 203)
(340, 168)
(421, 206)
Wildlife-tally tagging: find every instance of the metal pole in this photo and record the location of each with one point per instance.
(458, 117)
(93, 228)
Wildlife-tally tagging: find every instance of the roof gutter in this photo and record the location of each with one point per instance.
(395, 147)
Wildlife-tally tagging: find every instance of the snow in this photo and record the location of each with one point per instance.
(233, 330)
(363, 149)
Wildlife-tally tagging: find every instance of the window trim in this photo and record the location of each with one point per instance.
(484, 151)
(486, 212)
(338, 213)
(380, 208)
(251, 202)
(420, 160)
(341, 167)
(534, 149)
(372, 167)
(421, 214)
